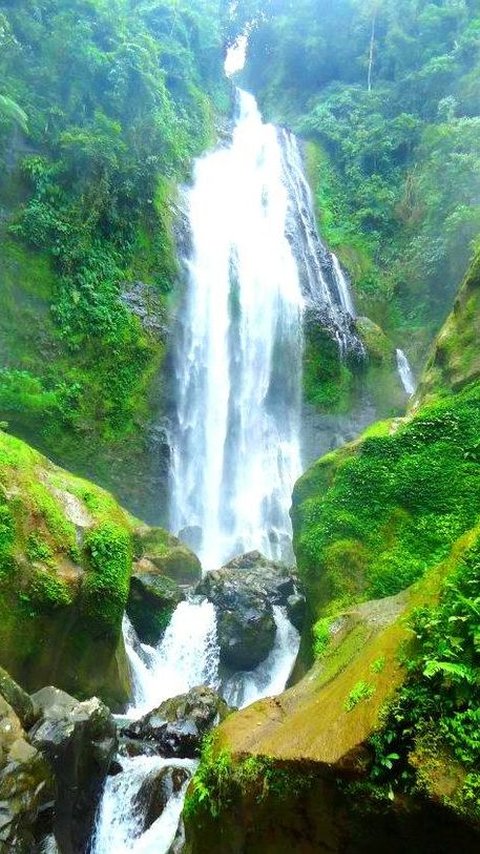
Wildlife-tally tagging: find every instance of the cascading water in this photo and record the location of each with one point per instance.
(236, 452)
(187, 656)
(120, 822)
(406, 373)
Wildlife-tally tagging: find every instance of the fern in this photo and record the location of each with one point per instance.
(448, 668)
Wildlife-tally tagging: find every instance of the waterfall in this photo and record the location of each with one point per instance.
(255, 249)
(186, 657)
(406, 373)
(236, 452)
(120, 822)
(256, 265)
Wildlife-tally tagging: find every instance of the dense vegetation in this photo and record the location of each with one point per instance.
(102, 107)
(374, 517)
(435, 718)
(387, 93)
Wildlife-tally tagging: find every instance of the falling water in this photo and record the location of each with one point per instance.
(406, 373)
(120, 823)
(187, 656)
(236, 450)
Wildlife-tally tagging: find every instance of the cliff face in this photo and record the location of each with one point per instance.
(372, 749)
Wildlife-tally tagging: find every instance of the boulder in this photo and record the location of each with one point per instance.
(17, 698)
(177, 727)
(296, 610)
(26, 786)
(79, 741)
(156, 790)
(170, 556)
(243, 593)
(152, 600)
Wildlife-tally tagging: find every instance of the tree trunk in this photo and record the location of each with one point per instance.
(370, 57)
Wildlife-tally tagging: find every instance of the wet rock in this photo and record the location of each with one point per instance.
(178, 726)
(171, 557)
(156, 790)
(296, 609)
(152, 600)
(17, 698)
(243, 593)
(26, 785)
(79, 741)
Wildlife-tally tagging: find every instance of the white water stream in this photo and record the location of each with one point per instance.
(120, 823)
(406, 373)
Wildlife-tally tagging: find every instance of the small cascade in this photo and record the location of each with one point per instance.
(271, 676)
(324, 284)
(406, 374)
(187, 656)
(120, 827)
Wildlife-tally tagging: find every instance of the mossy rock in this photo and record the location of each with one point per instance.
(152, 600)
(379, 348)
(171, 557)
(294, 772)
(66, 552)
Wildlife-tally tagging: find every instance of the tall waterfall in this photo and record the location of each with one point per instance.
(236, 448)
(257, 263)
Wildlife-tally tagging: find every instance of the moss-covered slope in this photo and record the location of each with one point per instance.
(66, 554)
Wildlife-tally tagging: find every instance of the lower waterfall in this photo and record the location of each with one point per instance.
(120, 822)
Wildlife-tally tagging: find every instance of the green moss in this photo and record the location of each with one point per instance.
(105, 588)
(321, 637)
(37, 549)
(47, 592)
(360, 692)
(369, 520)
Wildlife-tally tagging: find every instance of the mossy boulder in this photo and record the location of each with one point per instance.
(370, 518)
(152, 600)
(377, 346)
(66, 553)
(298, 772)
(170, 556)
